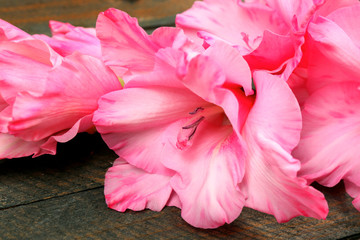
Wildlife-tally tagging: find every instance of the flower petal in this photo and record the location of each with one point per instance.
(347, 19)
(276, 53)
(5, 117)
(331, 49)
(328, 145)
(329, 142)
(82, 125)
(234, 22)
(128, 187)
(331, 5)
(232, 64)
(353, 188)
(296, 13)
(164, 72)
(14, 147)
(10, 32)
(272, 185)
(208, 77)
(276, 101)
(124, 43)
(297, 83)
(72, 92)
(271, 131)
(207, 177)
(132, 109)
(67, 39)
(134, 122)
(24, 62)
(126, 46)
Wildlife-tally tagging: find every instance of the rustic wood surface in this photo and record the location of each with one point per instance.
(61, 197)
(33, 15)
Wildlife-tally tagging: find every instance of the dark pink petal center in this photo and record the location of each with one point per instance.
(192, 122)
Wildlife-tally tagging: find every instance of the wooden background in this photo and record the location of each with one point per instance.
(61, 197)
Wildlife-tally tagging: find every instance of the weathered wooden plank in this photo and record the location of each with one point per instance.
(85, 215)
(79, 165)
(33, 15)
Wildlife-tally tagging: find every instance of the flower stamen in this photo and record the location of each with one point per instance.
(187, 132)
(196, 110)
(193, 126)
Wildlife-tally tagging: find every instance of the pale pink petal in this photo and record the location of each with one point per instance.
(331, 49)
(275, 100)
(331, 5)
(17, 71)
(126, 46)
(13, 147)
(124, 43)
(353, 189)
(82, 125)
(67, 39)
(216, 83)
(207, 176)
(175, 38)
(232, 64)
(169, 37)
(34, 49)
(59, 28)
(3, 103)
(272, 185)
(271, 131)
(24, 62)
(10, 32)
(5, 117)
(164, 73)
(132, 109)
(134, 122)
(356, 203)
(174, 200)
(128, 187)
(277, 53)
(329, 142)
(297, 83)
(72, 92)
(257, 31)
(235, 22)
(348, 20)
(296, 13)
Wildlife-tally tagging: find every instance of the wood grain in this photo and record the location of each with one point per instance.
(79, 165)
(61, 197)
(33, 15)
(84, 215)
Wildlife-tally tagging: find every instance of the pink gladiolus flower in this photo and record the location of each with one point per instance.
(329, 147)
(191, 133)
(120, 35)
(24, 65)
(44, 97)
(67, 39)
(10, 32)
(269, 33)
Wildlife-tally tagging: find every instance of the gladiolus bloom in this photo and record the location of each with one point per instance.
(329, 143)
(268, 33)
(67, 39)
(44, 97)
(190, 132)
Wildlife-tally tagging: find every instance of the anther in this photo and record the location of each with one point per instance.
(196, 110)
